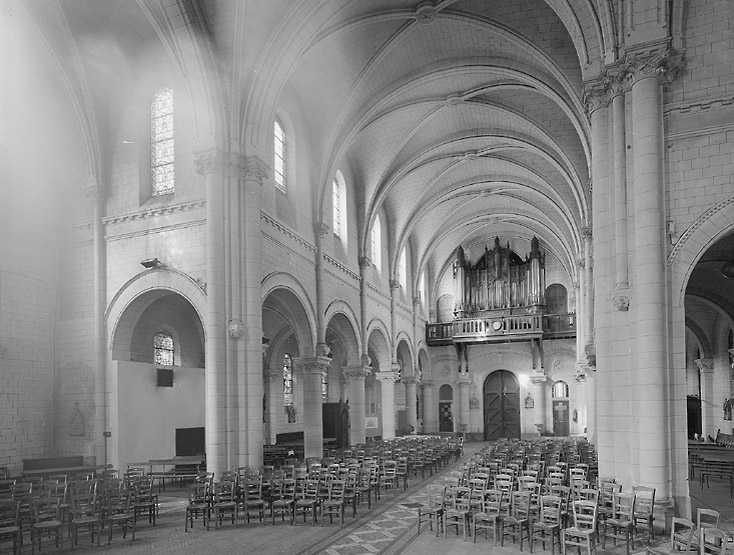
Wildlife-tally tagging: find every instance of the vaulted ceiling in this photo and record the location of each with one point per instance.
(460, 120)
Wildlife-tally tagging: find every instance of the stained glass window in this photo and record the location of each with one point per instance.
(161, 142)
(287, 381)
(337, 207)
(279, 146)
(163, 348)
(325, 386)
(376, 253)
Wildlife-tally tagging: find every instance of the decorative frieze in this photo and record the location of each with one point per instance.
(155, 212)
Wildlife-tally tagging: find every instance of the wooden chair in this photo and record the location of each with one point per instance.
(517, 523)
(45, 521)
(432, 510)
(10, 523)
(582, 534)
(548, 523)
(620, 522)
(224, 502)
(713, 541)
(644, 514)
(85, 511)
(307, 500)
(333, 504)
(456, 509)
(283, 496)
(705, 518)
(252, 502)
(489, 515)
(144, 499)
(681, 539)
(120, 513)
(197, 496)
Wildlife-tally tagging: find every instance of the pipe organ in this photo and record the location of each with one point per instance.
(499, 281)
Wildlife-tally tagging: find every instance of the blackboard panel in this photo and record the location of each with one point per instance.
(190, 442)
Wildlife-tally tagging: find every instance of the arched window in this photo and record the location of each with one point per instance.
(339, 207)
(279, 150)
(325, 387)
(287, 380)
(556, 299)
(403, 269)
(163, 348)
(161, 142)
(376, 254)
(560, 390)
(446, 393)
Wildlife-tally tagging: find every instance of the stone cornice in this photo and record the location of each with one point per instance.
(155, 212)
(272, 222)
(699, 105)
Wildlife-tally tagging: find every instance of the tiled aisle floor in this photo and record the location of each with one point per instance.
(389, 528)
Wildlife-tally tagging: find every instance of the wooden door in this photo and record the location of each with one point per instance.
(560, 418)
(445, 416)
(501, 406)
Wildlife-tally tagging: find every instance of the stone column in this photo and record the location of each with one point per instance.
(410, 400)
(430, 407)
(273, 381)
(357, 408)
(619, 139)
(313, 417)
(101, 387)
(708, 402)
(464, 404)
(387, 385)
(650, 279)
(252, 171)
(212, 164)
(538, 381)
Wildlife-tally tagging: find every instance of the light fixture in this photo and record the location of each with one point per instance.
(151, 263)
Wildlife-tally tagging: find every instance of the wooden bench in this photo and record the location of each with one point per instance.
(718, 469)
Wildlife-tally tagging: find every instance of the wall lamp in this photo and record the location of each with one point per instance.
(151, 263)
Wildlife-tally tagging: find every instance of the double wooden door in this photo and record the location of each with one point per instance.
(501, 406)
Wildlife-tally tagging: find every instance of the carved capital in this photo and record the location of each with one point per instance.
(312, 365)
(211, 161)
(621, 302)
(538, 379)
(394, 285)
(357, 372)
(251, 168)
(387, 377)
(705, 364)
(428, 384)
(664, 64)
(417, 298)
(364, 262)
(235, 328)
(596, 96)
(410, 380)
(587, 232)
(464, 382)
(616, 83)
(320, 229)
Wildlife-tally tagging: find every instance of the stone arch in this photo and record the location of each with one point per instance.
(138, 293)
(342, 309)
(286, 283)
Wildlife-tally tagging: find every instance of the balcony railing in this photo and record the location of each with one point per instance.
(502, 328)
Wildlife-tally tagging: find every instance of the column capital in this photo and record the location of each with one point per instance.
(250, 168)
(358, 372)
(417, 298)
(387, 377)
(364, 262)
(616, 83)
(230, 164)
(596, 96)
(410, 380)
(394, 285)
(705, 364)
(235, 328)
(465, 381)
(312, 365)
(428, 383)
(320, 229)
(538, 379)
(661, 63)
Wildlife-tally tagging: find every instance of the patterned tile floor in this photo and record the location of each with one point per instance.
(389, 528)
